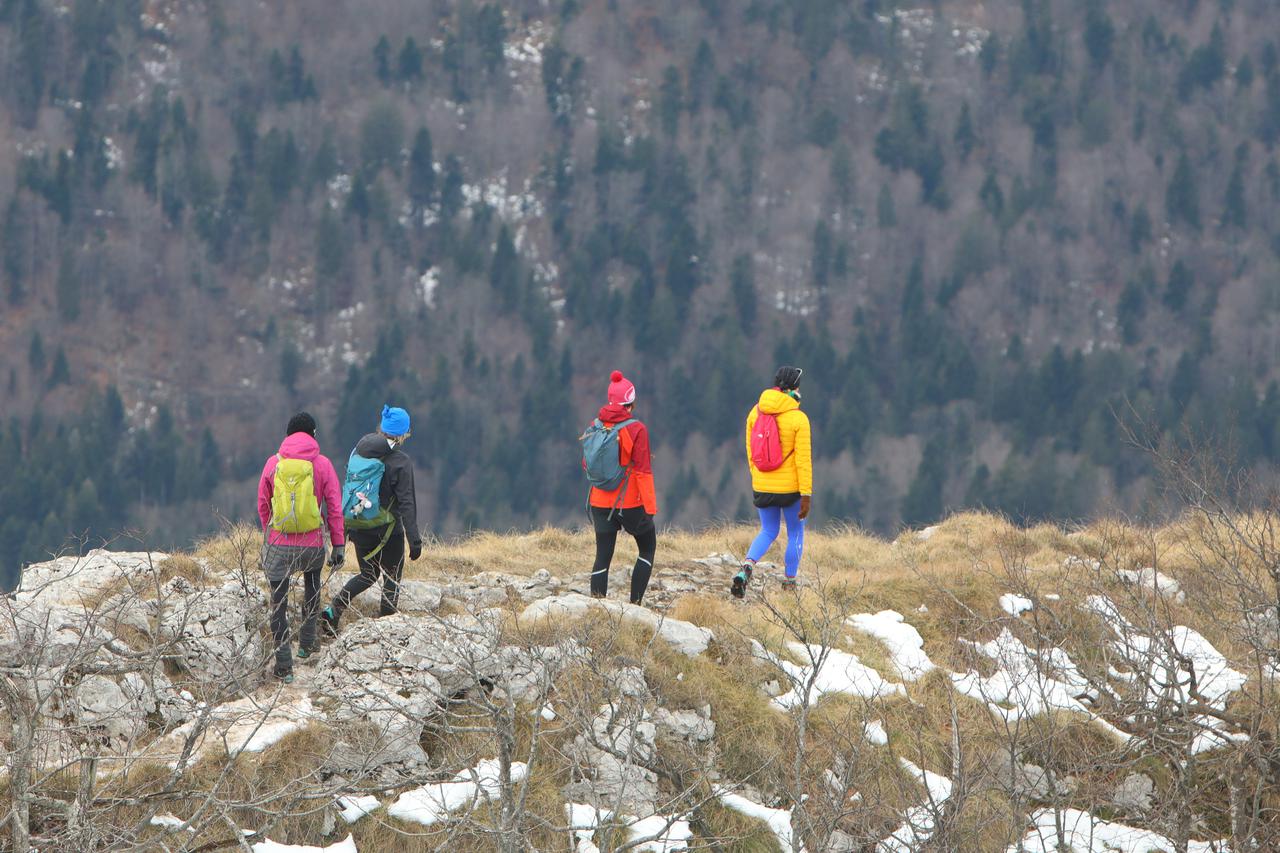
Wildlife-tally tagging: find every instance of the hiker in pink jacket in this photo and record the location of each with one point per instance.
(295, 537)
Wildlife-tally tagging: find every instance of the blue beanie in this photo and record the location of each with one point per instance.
(395, 421)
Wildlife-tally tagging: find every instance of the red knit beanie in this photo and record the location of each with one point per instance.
(620, 389)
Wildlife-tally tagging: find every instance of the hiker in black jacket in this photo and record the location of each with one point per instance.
(380, 550)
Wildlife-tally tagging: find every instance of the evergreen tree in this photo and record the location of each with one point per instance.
(491, 35)
(422, 172)
(923, 501)
(670, 101)
(1179, 286)
(60, 372)
(991, 196)
(504, 272)
(1182, 199)
(1099, 34)
(290, 366)
(1235, 212)
(1205, 66)
(13, 243)
(843, 181)
(742, 288)
(68, 289)
(451, 189)
(965, 138)
(382, 59)
(886, 216)
(35, 353)
(409, 63)
(821, 259)
(381, 135)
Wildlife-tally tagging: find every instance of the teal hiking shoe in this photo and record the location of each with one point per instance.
(740, 581)
(329, 622)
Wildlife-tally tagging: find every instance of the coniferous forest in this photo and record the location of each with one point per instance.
(992, 234)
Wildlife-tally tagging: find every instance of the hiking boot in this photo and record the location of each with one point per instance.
(304, 653)
(789, 585)
(740, 581)
(328, 623)
(283, 675)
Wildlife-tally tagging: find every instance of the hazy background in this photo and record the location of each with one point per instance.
(979, 226)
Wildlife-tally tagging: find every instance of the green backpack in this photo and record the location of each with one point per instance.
(294, 508)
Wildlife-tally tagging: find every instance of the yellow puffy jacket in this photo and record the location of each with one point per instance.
(796, 472)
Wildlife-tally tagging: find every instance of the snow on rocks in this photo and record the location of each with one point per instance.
(655, 833)
(1165, 667)
(433, 803)
(920, 822)
(346, 845)
(778, 820)
(685, 637)
(1081, 832)
(351, 807)
(1028, 682)
(1015, 605)
(901, 639)
(829, 671)
(170, 822)
(250, 724)
(1150, 579)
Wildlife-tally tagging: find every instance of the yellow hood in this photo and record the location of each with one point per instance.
(774, 402)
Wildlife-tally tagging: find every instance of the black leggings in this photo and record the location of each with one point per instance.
(280, 616)
(639, 524)
(387, 564)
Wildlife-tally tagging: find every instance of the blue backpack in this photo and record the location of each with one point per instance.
(360, 506)
(600, 455)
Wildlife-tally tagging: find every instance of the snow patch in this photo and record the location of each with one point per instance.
(1084, 833)
(1015, 605)
(902, 640)
(351, 807)
(432, 803)
(829, 671)
(778, 820)
(346, 845)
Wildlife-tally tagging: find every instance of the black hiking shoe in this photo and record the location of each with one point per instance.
(329, 622)
(740, 581)
(283, 675)
(304, 652)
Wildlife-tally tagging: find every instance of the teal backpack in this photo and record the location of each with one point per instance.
(600, 456)
(360, 506)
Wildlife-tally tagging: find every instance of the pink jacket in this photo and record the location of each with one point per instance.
(328, 493)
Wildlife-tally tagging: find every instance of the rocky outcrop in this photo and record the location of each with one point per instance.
(217, 631)
(684, 637)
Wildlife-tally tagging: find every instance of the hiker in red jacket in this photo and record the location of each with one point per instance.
(632, 505)
(298, 496)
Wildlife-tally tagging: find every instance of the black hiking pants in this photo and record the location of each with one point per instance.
(281, 562)
(387, 564)
(639, 524)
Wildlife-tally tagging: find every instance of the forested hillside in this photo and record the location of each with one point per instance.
(981, 227)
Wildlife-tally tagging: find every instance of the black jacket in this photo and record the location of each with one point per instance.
(397, 483)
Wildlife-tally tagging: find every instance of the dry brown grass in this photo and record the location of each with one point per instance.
(957, 573)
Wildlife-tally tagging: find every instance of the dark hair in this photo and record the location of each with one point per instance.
(301, 422)
(787, 378)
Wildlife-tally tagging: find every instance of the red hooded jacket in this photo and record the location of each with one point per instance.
(633, 450)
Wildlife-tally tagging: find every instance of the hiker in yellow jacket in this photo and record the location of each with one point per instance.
(781, 461)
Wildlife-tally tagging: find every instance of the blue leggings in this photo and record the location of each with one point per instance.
(770, 522)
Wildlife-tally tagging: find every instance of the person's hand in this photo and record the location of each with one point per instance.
(415, 551)
(337, 556)
(804, 506)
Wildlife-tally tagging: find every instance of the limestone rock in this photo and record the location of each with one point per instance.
(217, 630)
(1133, 795)
(420, 596)
(688, 725)
(456, 651)
(685, 637)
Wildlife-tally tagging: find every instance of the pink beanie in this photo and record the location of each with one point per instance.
(620, 389)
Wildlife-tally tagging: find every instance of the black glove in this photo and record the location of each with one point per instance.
(415, 551)
(337, 556)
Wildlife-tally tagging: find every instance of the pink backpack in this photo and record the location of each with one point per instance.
(766, 443)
